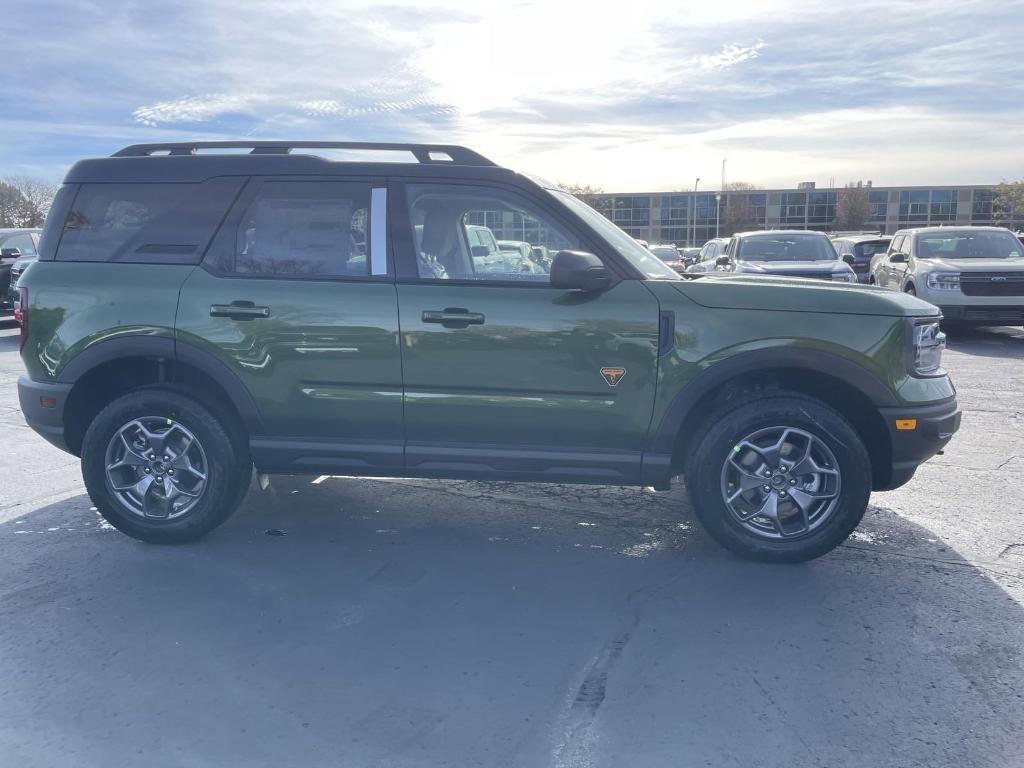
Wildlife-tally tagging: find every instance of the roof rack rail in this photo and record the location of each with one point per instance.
(424, 153)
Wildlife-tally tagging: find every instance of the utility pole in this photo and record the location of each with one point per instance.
(693, 215)
(718, 201)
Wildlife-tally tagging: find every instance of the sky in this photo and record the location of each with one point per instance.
(632, 95)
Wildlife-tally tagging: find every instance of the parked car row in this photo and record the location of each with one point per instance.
(790, 253)
(17, 248)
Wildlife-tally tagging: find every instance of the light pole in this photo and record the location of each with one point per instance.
(718, 213)
(693, 214)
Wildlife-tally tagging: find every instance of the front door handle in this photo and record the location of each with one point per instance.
(239, 310)
(453, 317)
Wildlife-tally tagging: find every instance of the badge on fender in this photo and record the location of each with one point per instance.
(612, 376)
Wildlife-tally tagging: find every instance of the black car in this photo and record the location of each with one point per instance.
(14, 244)
(861, 248)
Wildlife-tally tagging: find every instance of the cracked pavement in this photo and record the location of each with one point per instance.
(429, 623)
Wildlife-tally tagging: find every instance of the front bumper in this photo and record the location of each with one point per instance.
(983, 314)
(935, 426)
(47, 420)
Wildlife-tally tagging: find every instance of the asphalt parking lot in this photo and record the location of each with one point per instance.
(422, 623)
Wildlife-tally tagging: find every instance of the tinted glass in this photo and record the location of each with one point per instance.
(794, 247)
(964, 244)
(482, 233)
(144, 223)
(305, 229)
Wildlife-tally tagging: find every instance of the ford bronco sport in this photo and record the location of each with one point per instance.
(196, 313)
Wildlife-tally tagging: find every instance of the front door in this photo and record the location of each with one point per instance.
(295, 297)
(505, 375)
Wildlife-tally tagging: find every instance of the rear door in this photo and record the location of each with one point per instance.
(297, 298)
(505, 375)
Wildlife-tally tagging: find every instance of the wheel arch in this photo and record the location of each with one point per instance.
(845, 386)
(114, 367)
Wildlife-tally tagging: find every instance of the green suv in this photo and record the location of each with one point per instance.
(197, 311)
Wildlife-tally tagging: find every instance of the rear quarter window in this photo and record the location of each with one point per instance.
(145, 223)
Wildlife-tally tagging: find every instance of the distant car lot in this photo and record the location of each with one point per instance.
(414, 622)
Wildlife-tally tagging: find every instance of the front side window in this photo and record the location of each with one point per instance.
(645, 261)
(482, 233)
(795, 247)
(305, 229)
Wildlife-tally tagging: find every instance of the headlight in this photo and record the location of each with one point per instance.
(929, 341)
(944, 281)
(844, 277)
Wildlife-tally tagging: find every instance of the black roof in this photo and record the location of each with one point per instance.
(196, 161)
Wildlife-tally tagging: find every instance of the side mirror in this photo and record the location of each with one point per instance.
(722, 261)
(479, 251)
(579, 271)
(848, 258)
(10, 253)
(898, 258)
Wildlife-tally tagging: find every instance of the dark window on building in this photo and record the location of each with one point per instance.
(981, 206)
(145, 223)
(305, 229)
(943, 205)
(879, 204)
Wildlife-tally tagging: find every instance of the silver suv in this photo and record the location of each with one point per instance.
(975, 275)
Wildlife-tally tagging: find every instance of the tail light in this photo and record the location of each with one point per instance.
(21, 315)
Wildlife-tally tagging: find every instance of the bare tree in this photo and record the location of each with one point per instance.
(854, 210)
(591, 195)
(1008, 204)
(25, 201)
(740, 186)
(739, 216)
(14, 208)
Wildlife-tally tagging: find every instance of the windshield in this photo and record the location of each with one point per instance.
(629, 248)
(789, 247)
(964, 244)
(871, 248)
(665, 252)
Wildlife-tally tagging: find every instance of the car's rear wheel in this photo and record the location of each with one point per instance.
(910, 289)
(781, 478)
(162, 468)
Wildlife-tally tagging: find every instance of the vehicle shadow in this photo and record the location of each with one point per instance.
(1004, 341)
(404, 622)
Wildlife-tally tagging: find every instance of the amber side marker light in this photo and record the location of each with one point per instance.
(906, 424)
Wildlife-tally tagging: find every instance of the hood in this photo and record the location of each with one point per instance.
(1010, 264)
(802, 267)
(794, 294)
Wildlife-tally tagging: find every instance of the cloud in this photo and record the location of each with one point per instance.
(642, 98)
(730, 56)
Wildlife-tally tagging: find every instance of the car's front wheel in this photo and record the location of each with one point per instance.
(161, 467)
(781, 478)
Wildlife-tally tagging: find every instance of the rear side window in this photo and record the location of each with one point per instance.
(305, 229)
(145, 223)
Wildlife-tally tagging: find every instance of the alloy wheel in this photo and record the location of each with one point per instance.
(781, 482)
(156, 468)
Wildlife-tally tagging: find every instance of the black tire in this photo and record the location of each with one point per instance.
(910, 289)
(715, 442)
(228, 470)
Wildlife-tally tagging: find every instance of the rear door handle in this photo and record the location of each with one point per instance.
(453, 317)
(239, 310)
